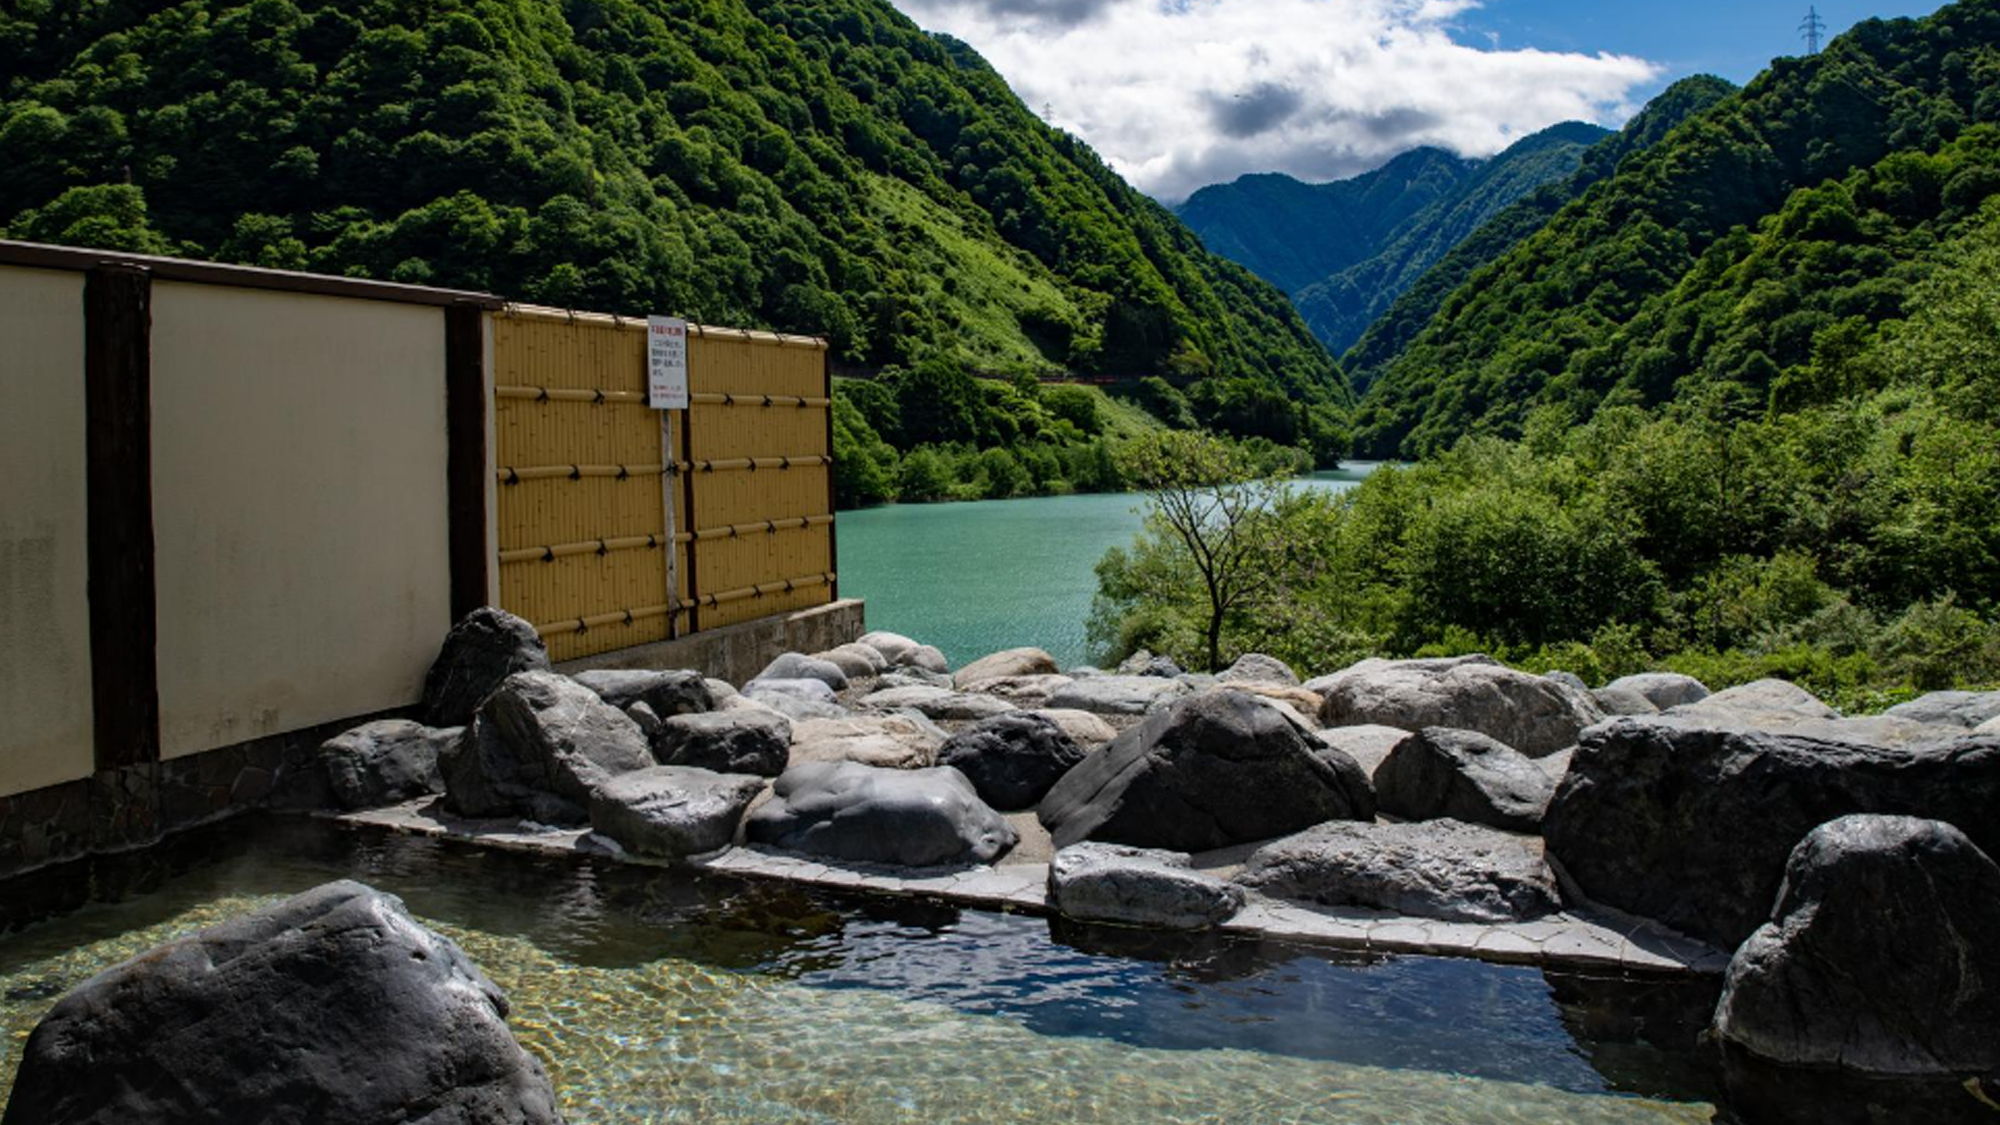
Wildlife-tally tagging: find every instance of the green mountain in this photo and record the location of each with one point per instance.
(813, 165)
(1393, 326)
(1293, 234)
(1745, 259)
(1340, 307)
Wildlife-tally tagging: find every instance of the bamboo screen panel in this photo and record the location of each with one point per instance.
(583, 493)
(582, 512)
(761, 400)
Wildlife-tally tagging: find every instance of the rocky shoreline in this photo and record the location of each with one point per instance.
(1443, 796)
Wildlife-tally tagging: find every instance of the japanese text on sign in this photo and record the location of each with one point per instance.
(666, 363)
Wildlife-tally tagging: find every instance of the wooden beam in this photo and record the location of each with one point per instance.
(465, 456)
(124, 627)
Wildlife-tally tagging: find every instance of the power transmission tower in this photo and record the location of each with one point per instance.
(1814, 29)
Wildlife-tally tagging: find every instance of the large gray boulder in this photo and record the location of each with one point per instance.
(740, 741)
(1127, 886)
(1257, 668)
(1012, 760)
(1990, 726)
(1116, 695)
(385, 763)
(798, 666)
(1436, 869)
(1535, 716)
(925, 658)
(666, 694)
(1022, 691)
(1463, 775)
(797, 700)
(669, 812)
(910, 818)
(940, 704)
(1367, 745)
(901, 741)
(857, 661)
(1692, 825)
(333, 1007)
(1770, 705)
(1144, 663)
(1965, 709)
(1882, 955)
(1662, 689)
(1012, 663)
(479, 652)
(538, 746)
(892, 646)
(1089, 730)
(1213, 770)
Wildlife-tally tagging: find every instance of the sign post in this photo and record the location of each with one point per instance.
(666, 392)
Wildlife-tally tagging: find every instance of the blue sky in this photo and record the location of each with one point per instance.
(1178, 94)
(1734, 40)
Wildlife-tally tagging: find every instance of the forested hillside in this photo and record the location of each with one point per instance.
(1340, 307)
(818, 166)
(1396, 323)
(1292, 233)
(1751, 254)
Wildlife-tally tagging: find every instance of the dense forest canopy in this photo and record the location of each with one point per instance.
(819, 166)
(1620, 297)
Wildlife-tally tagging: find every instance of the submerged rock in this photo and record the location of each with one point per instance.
(333, 1007)
(1012, 760)
(1121, 885)
(1012, 663)
(1463, 775)
(910, 818)
(1535, 716)
(1692, 825)
(742, 741)
(669, 812)
(1213, 770)
(1882, 955)
(666, 694)
(1437, 869)
(479, 652)
(385, 763)
(538, 746)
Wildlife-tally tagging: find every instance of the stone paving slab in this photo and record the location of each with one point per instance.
(1592, 938)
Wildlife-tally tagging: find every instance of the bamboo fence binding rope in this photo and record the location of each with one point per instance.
(514, 475)
(556, 551)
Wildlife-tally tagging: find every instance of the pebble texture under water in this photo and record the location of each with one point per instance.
(790, 1015)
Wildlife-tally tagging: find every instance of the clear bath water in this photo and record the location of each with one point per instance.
(653, 996)
(979, 577)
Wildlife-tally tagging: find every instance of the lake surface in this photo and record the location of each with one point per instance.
(979, 577)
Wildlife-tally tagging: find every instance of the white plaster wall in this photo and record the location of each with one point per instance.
(299, 506)
(45, 707)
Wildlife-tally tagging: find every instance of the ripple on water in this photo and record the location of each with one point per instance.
(673, 1040)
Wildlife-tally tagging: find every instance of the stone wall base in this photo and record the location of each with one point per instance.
(135, 806)
(735, 653)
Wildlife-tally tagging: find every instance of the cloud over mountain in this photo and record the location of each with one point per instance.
(1181, 93)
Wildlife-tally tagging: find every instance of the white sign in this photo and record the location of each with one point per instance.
(666, 363)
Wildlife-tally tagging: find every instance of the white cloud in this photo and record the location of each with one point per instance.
(1177, 94)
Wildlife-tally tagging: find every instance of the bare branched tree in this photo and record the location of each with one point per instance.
(1210, 498)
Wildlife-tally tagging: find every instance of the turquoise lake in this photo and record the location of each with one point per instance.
(978, 577)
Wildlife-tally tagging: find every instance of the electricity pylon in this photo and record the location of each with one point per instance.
(1813, 28)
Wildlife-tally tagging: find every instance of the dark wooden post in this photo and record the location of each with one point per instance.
(687, 513)
(465, 456)
(124, 628)
(832, 529)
